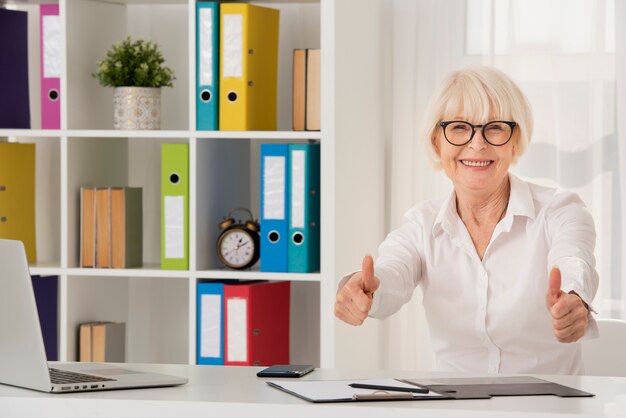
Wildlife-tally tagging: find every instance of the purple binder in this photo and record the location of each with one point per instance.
(46, 291)
(14, 104)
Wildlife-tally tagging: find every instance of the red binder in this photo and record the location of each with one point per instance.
(256, 319)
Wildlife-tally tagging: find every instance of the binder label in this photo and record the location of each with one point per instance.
(274, 188)
(298, 169)
(51, 46)
(206, 46)
(211, 314)
(174, 227)
(233, 45)
(237, 344)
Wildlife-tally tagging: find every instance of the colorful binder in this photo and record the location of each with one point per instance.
(248, 67)
(304, 211)
(126, 227)
(274, 207)
(256, 331)
(210, 323)
(17, 195)
(14, 102)
(51, 59)
(175, 206)
(46, 290)
(207, 69)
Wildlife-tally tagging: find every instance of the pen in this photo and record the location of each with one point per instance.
(381, 396)
(383, 387)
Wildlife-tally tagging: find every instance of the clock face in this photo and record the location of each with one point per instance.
(236, 248)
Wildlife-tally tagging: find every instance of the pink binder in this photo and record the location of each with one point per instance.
(50, 50)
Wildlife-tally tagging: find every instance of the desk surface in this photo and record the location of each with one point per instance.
(230, 392)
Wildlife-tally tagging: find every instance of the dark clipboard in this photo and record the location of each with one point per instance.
(488, 387)
(444, 389)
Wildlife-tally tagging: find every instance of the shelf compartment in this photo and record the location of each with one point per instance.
(155, 311)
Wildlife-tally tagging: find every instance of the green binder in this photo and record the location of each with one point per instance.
(175, 206)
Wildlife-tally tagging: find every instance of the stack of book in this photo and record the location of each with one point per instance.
(111, 227)
(102, 342)
(306, 90)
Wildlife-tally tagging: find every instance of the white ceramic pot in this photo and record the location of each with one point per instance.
(137, 108)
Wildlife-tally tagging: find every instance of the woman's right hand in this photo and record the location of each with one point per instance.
(354, 300)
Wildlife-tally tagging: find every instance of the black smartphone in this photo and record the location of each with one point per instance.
(286, 370)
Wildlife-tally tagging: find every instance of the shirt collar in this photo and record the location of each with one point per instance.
(520, 204)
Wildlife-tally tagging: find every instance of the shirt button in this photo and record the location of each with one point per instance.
(493, 369)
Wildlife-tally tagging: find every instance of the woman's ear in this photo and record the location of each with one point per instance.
(435, 141)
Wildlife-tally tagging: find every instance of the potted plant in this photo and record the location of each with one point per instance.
(135, 69)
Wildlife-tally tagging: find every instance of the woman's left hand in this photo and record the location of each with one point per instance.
(569, 312)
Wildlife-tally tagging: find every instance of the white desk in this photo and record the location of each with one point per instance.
(230, 392)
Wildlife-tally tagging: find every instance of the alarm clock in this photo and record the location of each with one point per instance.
(238, 245)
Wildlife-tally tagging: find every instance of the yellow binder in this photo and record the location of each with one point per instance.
(248, 67)
(17, 195)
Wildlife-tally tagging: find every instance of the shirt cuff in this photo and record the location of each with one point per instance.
(576, 276)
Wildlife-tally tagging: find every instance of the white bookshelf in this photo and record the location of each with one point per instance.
(159, 306)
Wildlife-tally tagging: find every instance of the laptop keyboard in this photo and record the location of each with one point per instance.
(63, 376)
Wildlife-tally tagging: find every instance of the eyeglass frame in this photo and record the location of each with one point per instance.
(444, 124)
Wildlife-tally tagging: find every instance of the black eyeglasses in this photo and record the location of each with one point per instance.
(460, 132)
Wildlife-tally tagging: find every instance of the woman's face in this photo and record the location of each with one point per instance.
(477, 166)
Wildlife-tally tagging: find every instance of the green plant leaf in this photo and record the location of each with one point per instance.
(134, 64)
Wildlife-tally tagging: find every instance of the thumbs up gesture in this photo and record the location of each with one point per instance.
(568, 311)
(354, 300)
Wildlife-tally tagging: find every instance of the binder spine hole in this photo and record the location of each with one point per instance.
(174, 178)
(297, 238)
(2, 188)
(3, 218)
(232, 96)
(53, 94)
(205, 96)
(273, 237)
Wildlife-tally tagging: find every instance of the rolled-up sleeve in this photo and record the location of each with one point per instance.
(398, 266)
(572, 238)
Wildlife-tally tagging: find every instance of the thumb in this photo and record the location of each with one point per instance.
(370, 282)
(554, 287)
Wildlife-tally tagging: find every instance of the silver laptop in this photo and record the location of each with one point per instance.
(22, 353)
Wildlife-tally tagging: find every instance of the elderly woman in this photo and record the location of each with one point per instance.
(506, 266)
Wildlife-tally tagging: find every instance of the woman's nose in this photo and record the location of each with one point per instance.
(478, 141)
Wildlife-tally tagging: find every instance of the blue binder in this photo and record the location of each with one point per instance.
(304, 211)
(210, 323)
(207, 69)
(274, 207)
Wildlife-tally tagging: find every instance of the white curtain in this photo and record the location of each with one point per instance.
(569, 56)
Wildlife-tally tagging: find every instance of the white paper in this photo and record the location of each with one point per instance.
(210, 333)
(298, 169)
(274, 188)
(319, 390)
(51, 46)
(206, 47)
(233, 45)
(174, 227)
(237, 337)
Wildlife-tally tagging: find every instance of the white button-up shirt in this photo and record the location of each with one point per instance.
(490, 315)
